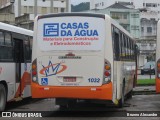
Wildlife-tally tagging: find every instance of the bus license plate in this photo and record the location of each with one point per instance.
(69, 79)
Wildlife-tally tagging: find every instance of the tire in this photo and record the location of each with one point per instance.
(3, 97)
(121, 101)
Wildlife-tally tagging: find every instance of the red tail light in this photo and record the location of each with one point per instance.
(107, 72)
(158, 68)
(34, 71)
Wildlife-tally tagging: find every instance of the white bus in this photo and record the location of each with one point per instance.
(158, 59)
(15, 63)
(82, 56)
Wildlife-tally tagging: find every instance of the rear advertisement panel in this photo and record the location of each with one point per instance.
(71, 33)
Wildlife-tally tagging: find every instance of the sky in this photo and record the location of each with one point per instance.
(76, 2)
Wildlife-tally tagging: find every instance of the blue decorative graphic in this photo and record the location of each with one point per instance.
(51, 29)
(54, 69)
(44, 81)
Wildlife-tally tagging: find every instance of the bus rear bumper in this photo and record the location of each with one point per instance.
(103, 92)
(157, 85)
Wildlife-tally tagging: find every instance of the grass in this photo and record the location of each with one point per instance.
(146, 82)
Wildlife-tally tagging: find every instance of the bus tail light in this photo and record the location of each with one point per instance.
(107, 72)
(158, 68)
(34, 71)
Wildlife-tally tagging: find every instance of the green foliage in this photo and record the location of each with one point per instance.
(80, 7)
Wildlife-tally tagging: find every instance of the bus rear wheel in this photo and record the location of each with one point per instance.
(3, 97)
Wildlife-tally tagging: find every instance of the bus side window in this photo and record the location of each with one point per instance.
(128, 48)
(6, 47)
(31, 44)
(1, 44)
(27, 50)
(121, 46)
(9, 46)
(8, 39)
(1, 38)
(132, 50)
(125, 47)
(116, 46)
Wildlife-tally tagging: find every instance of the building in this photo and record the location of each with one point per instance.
(149, 16)
(153, 5)
(26, 10)
(126, 16)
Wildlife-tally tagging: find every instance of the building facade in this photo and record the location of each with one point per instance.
(128, 17)
(26, 10)
(149, 16)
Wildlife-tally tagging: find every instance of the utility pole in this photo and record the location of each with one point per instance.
(67, 5)
(19, 7)
(35, 8)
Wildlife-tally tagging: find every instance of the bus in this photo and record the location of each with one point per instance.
(82, 56)
(158, 60)
(15, 63)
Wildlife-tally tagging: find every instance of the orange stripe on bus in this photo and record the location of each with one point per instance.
(103, 92)
(157, 85)
(26, 80)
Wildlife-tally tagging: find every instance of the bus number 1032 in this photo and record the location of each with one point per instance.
(94, 80)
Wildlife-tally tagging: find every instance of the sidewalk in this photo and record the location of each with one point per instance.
(144, 90)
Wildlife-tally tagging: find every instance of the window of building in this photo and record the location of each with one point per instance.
(62, 10)
(30, 9)
(144, 4)
(151, 5)
(134, 27)
(102, 3)
(97, 5)
(43, 10)
(142, 29)
(149, 29)
(125, 16)
(135, 15)
(25, 9)
(56, 10)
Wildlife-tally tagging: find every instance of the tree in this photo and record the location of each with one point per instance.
(80, 7)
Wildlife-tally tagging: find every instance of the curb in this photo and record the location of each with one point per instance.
(151, 92)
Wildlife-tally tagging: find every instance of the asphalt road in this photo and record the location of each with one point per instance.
(88, 111)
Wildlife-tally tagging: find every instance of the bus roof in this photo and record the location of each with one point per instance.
(15, 29)
(71, 14)
(99, 15)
